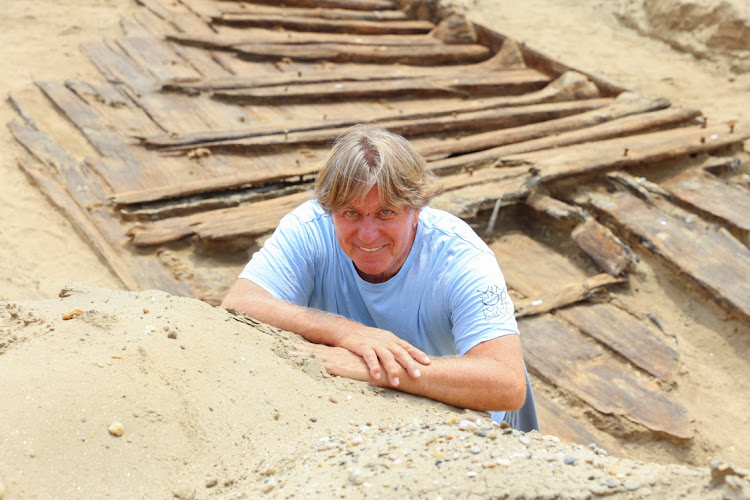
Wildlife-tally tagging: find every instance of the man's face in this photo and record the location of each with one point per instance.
(377, 238)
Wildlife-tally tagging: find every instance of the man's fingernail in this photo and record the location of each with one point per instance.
(377, 376)
(426, 359)
(395, 381)
(417, 373)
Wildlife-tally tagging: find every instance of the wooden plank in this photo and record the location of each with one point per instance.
(626, 335)
(229, 12)
(442, 123)
(131, 173)
(254, 219)
(612, 255)
(551, 135)
(556, 421)
(417, 55)
(509, 82)
(567, 294)
(729, 203)
(79, 196)
(158, 58)
(716, 260)
(630, 151)
(349, 25)
(339, 4)
(533, 268)
(119, 68)
(561, 355)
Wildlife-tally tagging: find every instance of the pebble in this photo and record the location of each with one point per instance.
(467, 425)
(568, 460)
(116, 429)
(632, 485)
(210, 483)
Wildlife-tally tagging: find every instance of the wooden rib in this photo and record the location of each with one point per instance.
(567, 130)
(562, 356)
(445, 123)
(339, 4)
(466, 200)
(611, 254)
(557, 421)
(626, 335)
(533, 138)
(633, 150)
(566, 295)
(713, 258)
(252, 220)
(710, 194)
(349, 25)
(225, 11)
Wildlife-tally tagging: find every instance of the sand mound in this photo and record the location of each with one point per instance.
(212, 404)
(717, 30)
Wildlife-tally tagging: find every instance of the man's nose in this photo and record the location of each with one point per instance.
(368, 229)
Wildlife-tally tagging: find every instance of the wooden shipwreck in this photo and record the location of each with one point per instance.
(212, 116)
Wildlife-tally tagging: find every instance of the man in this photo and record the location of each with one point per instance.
(376, 281)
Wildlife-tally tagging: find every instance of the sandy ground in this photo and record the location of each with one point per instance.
(191, 434)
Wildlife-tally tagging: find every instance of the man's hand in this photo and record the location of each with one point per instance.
(337, 361)
(382, 350)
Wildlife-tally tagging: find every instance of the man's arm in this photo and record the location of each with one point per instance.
(375, 346)
(489, 377)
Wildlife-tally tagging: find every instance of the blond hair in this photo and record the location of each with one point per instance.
(366, 156)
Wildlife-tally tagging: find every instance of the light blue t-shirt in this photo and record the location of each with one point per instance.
(448, 297)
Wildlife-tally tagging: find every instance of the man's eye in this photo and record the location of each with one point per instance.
(387, 212)
(350, 213)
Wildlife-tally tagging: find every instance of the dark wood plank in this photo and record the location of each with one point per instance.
(563, 356)
(533, 268)
(627, 335)
(559, 133)
(349, 25)
(556, 421)
(339, 4)
(612, 255)
(716, 260)
(567, 294)
(728, 202)
(634, 150)
(228, 12)
(251, 220)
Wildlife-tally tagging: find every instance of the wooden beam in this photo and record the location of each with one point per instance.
(567, 294)
(566, 358)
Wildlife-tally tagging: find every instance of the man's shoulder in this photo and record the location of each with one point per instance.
(440, 224)
(310, 212)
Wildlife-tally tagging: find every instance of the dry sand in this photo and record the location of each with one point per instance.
(222, 410)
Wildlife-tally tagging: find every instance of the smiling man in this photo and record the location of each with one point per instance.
(387, 290)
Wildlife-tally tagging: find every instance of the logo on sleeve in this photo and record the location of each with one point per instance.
(496, 302)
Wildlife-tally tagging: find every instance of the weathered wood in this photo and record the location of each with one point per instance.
(466, 194)
(348, 25)
(158, 58)
(224, 11)
(100, 134)
(555, 421)
(623, 152)
(119, 68)
(80, 197)
(542, 202)
(713, 258)
(562, 356)
(550, 133)
(533, 268)
(553, 134)
(566, 295)
(729, 203)
(252, 220)
(626, 335)
(338, 4)
(638, 185)
(611, 254)
(455, 29)
(442, 123)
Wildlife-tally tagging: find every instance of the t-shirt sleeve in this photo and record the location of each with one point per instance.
(285, 266)
(481, 308)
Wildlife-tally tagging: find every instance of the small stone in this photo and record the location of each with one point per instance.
(145, 310)
(475, 450)
(276, 415)
(467, 425)
(568, 460)
(116, 429)
(172, 334)
(632, 485)
(313, 419)
(210, 483)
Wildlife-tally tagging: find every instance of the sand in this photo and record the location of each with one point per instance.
(222, 410)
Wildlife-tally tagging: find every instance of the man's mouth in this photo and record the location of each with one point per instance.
(370, 249)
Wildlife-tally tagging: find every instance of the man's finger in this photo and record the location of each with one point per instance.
(373, 364)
